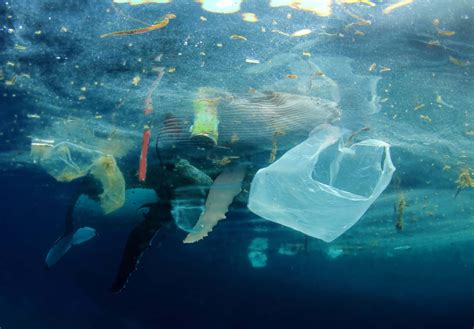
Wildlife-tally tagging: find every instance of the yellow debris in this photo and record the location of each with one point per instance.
(425, 118)
(458, 62)
(372, 67)
(238, 37)
(434, 43)
(464, 179)
(202, 18)
(11, 82)
(306, 54)
(319, 7)
(172, 69)
(469, 133)
(446, 168)
(397, 5)
(359, 33)
(249, 17)
(142, 30)
(446, 33)
(20, 47)
(292, 76)
(351, 2)
(419, 106)
(136, 80)
(141, 2)
(384, 69)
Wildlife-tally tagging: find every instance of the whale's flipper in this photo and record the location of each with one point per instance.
(140, 239)
(64, 243)
(222, 193)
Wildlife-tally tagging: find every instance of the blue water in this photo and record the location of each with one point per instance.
(211, 285)
(372, 277)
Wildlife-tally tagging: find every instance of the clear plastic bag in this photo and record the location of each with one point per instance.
(67, 161)
(321, 187)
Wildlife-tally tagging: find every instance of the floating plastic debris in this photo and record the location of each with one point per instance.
(440, 100)
(249, 17)
(352, 2)
(158, 25)
(141, 2)
(221, 6)
(446, 33)
(320, 8)
(464, 180)
(419, 106)
(301, 33)
(252, 61)
(33, 116)
(397, 5)
(458, 62)
(136, 80)
(402, 248)
(425, 118)
(257, 252)
(238, 37)
(334, 252)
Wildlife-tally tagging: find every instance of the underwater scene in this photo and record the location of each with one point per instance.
(236, 164)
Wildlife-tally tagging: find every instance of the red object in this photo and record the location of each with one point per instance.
(143, 155)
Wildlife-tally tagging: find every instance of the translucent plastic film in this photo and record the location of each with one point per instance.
(322, 187)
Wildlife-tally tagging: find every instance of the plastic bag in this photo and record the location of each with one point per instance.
(321, 187)
(66, 161)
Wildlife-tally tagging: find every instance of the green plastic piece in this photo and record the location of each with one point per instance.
(206, 122)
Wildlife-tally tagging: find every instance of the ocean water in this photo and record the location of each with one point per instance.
(406, 75)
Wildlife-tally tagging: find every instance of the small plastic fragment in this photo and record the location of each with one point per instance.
(397, 5)
(425, 118)
(141, 2)
(238, 37)
(351, 2)
(143, 154)
(158, 25)
(252, 61)
(458, 62)
(301, 33)
(249, 17)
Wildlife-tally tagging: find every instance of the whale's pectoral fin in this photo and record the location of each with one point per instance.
(139, 240)
(64, 243)
(222, 193)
